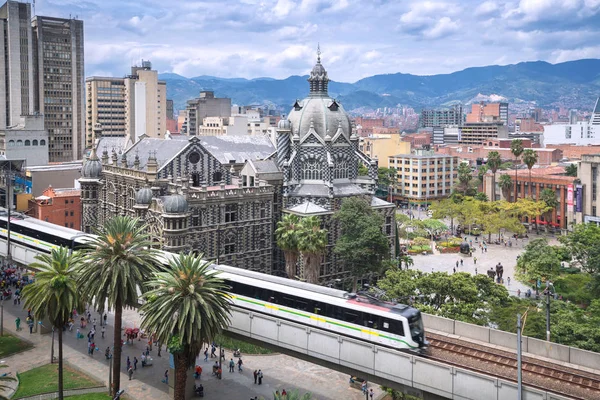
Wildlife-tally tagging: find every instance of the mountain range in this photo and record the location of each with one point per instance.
(573, 84)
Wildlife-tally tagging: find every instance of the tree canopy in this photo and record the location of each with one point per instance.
(571, 170)
(386, 176)
(584, 244)
(539, 261)
(362, 245)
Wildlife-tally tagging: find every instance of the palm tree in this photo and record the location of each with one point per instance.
(493, 162)
(286, 234)
(407, 260)
(571, 170)
(187, 306)
(116, 264)
(54, 294)
(4, 379)
(312, 244)
(505, 183)
(530, 158)
(516, 148)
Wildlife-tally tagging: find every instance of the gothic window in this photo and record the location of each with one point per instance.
(311, 169)
(111, 193)
(231, 213)
(262, 210)
(217, 176)
(340, 169)
(130, 199)
(195, 179)
(229, 245)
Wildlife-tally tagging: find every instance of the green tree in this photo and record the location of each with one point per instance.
(548, 196)
(312, 244)
(583, 243)
(516, 148)
(446, 208)
(407, 261)
(54, 295)
(505, 183)
(465, 177)
(362, 169)
(362, 245)
(576, 326)
(493, 162)
(530, 158)
(386, 176)
(115, 266)
(539, 261)
(571, 170)
(187, 306)
(293, 394)
(480, 196)
(287, 236)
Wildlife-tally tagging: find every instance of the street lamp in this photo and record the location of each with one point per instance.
(547, 293)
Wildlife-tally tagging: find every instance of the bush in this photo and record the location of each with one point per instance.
(420, 241)
(448, 250)
(575, 287)
(452, 242)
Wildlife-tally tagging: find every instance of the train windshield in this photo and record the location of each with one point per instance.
(415, 324)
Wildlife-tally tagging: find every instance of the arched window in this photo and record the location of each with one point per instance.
(42, 142)
(217, 176)
(340, 169)
(311, 169)
(111, 193)
(27, 143)
(11, 143)
(195, 179)
(35, 142)
(19, 143)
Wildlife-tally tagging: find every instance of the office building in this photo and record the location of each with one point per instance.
(207, 105)
(423, 176)
(444, 117)
(480, 132)
(127, 107)
(16, 63)
(581, 133)
(381, 147)
(27, 140)
(59, 91)
(57, 206)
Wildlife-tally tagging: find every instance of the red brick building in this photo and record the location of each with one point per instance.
(473, 152)
(365, 126)
(418, 140)
(575, 152)
(541, 178)
(58, 206)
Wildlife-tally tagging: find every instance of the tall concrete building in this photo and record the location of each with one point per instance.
(59, 92)
(488, 112)
(207, 105)
(16, 63)
(128, 107)
(446, 117)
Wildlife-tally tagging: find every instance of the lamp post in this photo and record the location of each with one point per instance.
(547, 293)
(519, 366)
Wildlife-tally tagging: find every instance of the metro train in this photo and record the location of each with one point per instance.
(347, 314)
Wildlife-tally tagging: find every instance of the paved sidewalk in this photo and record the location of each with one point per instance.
(280, 371)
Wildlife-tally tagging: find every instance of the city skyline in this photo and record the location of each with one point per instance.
(253, 38)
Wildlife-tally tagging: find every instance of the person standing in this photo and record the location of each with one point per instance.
(231, 365)
(475, 260)
(105, 318)
(128, 363)
(103, 330)
(461, 262)
(457, 264)
(135, 361)
(130, 372)
(166, 380)
(255, 376)
(240, 363)
(260, 377)
(206, 355)
(18, 323)
(371, 393)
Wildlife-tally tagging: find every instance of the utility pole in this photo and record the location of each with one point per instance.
(548, 311)
(110, 367)
(519, 366)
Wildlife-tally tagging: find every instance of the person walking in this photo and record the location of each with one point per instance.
(92, 348)
(30, 323)
(135, 361)
(231, 365)
(166, 380)
(461, 262)
(206, 355)
(240, 363)
(130, 372)
(454, 270)
(105, 318)
(508, 281)
(103, 330)
(475, 260)
(128, 363)
(255, 376)
(457, 264)
(260, 377)
(18, 323)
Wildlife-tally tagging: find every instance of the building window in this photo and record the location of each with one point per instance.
(35, 142)
(42, 142)
(340, 169)
(71, 213)
(311, 170)
(27, 143)
(66, 213)
(217, 176)
(229, 245)
(594, 211)
(230, 212)
(11, 143)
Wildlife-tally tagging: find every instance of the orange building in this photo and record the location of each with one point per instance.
(488, 112)
(58, 206)
(418, 139)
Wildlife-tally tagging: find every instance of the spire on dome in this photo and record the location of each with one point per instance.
(318, 78)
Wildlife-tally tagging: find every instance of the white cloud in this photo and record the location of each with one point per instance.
(486, 8)
(444, 27)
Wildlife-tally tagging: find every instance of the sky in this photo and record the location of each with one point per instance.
(358, 38)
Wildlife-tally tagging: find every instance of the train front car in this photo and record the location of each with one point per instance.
(415, 327)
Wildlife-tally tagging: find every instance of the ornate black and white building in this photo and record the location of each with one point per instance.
(223, 195)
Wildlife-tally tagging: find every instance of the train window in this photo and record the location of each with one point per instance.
(397, 327)
(351, 316)
(288, 301)
(301, 305)
(386, 325)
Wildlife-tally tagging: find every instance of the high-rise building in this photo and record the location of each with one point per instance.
(478, 133)
(446, 117)
(59, 84)
(207, 105)
(488, 112)
(129, 107)
(16, 63)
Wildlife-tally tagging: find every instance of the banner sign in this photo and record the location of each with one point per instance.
(579, 198)
(569, 195)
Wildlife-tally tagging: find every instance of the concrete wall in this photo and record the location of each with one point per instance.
(496, 337)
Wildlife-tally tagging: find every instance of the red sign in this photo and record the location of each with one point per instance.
(569, 195)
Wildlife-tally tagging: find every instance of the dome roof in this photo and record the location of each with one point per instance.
(143, 196)
(175, 204)
(92, 167)
(284, 124)
(325, 115)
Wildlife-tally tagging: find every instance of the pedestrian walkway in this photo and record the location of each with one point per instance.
(280, 371)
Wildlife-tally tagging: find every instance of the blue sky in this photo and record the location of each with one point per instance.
(278, 38)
